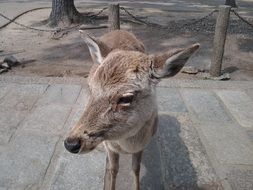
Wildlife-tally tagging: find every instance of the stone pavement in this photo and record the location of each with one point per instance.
(204, 140)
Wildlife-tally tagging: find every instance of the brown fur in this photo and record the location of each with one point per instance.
(118, 40)
(123, 40)
(125, 126)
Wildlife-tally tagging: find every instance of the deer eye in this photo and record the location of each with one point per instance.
(126, 99)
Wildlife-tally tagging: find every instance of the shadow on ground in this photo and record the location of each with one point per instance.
(167, 161)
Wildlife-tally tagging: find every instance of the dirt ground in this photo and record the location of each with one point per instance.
(68, 56)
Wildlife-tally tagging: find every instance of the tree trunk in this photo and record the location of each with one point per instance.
(64, 13)
(231, 3)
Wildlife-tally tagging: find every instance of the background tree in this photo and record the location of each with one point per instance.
(231, 3)
(64, 12)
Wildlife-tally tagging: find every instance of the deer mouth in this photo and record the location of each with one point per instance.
(91, 140)
(79, 146)
(86, 148)
(88, 141)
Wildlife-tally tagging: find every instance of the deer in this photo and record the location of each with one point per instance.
(122, 112)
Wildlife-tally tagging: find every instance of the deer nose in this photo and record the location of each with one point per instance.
(72, 145)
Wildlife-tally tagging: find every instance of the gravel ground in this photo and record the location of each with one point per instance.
(43, 56)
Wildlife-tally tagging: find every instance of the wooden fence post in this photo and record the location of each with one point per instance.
(113, 17)
(219, 40)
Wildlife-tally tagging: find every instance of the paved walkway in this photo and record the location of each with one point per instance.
(204, 141)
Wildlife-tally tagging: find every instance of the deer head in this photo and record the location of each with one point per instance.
(122, 92)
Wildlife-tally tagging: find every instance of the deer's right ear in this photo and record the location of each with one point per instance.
(93, 45)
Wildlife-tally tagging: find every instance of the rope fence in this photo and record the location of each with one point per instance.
(28, 27)
(242, 19)
(44, 30)
(192, 22)
(19, 15)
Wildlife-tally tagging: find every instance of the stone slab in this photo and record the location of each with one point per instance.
(49, 119)
(9, 121)
(240, 105)
(4, 89)
(125, 177)
(169, 82)
(250, 134)
(205, 106)
(83, 97)
(24, 162)
(23, 97)
(204, 84)
(250, 93)
(151, 167)
(230, 143)
(185, 164)
(150, 174)
(169, 100)
(84, 171)
(176, 158)
(60, 94)
(240, 177)
(78, 109)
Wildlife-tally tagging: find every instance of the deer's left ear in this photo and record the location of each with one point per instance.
(170, 63)
(97, 48)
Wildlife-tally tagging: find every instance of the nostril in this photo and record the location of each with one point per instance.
(72, 145)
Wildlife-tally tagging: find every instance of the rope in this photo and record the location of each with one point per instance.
(200, 19)
(19, 15)
(242, 19)
(28, 27)
(195, 21)
(42, 30)
(164, 27)
(192, 22)
(99, 13)
(135, 18)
